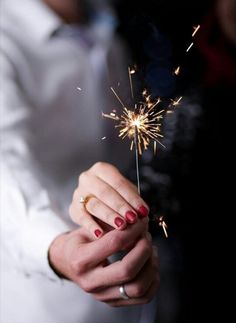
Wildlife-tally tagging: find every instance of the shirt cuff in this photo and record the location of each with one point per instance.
(42, 227)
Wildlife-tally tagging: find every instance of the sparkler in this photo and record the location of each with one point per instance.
(142, 124)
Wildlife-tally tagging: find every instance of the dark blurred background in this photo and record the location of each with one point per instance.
(187, 182)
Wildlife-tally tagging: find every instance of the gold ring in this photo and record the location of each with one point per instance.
(84, 199)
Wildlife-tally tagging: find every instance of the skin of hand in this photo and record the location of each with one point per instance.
(78, 257)
(111, 199)
(226, 11)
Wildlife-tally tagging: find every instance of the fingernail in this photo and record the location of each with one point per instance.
(143, 211)
(98, 233)
(130, 216)
(119, 222)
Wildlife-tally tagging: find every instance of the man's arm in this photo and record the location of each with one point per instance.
(28, 222)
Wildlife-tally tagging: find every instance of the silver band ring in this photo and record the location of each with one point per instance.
(123, 293)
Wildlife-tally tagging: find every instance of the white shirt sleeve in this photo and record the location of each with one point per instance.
(28, 222)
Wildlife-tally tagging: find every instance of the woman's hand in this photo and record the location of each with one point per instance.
(103, 193)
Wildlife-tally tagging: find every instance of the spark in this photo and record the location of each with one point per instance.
(162, 223)
(79, 88)
(176, 101)
(195, 30)
(189, 47)
(118, 98)
(177, 70)
(103, 138)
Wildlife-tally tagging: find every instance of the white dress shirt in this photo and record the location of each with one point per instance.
(50, 132)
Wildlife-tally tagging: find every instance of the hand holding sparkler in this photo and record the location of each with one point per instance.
(105, 195)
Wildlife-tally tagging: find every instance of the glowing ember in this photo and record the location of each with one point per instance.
(162, 223)
(195, 30)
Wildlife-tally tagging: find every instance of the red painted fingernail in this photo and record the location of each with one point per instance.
(98, 233)
(143, 211)
(119, 222)
(131, 217)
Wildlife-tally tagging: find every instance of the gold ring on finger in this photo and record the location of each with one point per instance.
(84, 199)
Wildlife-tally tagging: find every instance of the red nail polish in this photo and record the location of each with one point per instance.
(143, 211)
(119, 222)
(131, 217)
(98, 233)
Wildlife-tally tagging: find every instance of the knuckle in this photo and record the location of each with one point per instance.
(78, 266)
(99, 298)
(147, 247)
(136, 201)
(120, 183)
(99, 166)
(121, 205)
(133, 187)
(83, 177)
(85, 285)
(139, 290)
(105, 191)
(116, 241)
(126, 272)
(74, 267)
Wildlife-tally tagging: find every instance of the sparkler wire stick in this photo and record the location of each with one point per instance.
(137, 157)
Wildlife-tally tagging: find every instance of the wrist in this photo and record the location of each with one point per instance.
(56, 255)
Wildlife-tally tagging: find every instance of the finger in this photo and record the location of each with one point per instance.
(119, 183)
(106, 214)
(98, 209)
(80, 216)
(155, 257)
(140, 285)
(136, 301)
(126, 269)
(108, 195)
(134, 289)
(112, 242)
